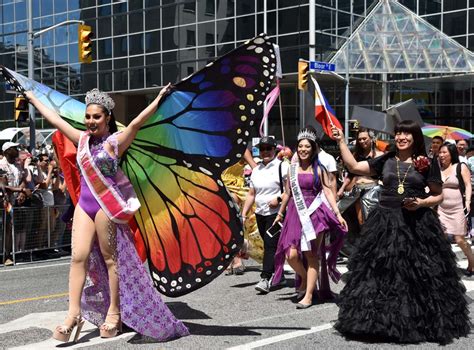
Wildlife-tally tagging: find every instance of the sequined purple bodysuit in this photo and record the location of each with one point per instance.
(141, 306)
(108, 166)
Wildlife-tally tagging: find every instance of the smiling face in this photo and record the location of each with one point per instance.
(404, 141)
(444, 156)
(96, 120)
(461, 146)
(305, 151)
(267, 153)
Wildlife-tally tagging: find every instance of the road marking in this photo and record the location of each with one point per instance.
(281, 337)
(51, 296)
(15, 269)
(49, 320)
(299, 312)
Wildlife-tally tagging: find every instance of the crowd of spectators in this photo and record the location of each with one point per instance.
(34, 197)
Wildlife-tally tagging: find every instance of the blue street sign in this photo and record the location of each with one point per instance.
(315, 65)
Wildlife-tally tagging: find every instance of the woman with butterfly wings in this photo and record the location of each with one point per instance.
(107, 202)
(189, 228)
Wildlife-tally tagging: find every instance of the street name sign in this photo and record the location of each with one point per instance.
(315, 65)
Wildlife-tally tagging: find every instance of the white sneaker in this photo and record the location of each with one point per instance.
(263, 286)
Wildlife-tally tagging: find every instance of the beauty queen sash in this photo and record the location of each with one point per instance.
(308, 233)
(119, 205)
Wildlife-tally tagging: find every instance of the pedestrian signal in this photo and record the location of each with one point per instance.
(21, 109)
(85, 43)
(303, 74)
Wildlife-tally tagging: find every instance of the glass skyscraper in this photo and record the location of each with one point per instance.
(140, 45)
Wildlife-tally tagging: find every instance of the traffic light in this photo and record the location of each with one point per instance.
(21, 109)
(303, 74)
(85, 43)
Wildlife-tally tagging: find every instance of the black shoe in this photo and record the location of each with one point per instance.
(468, 273)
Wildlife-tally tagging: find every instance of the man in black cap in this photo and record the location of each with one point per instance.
(267, 184)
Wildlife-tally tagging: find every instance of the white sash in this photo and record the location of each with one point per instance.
(307, 229)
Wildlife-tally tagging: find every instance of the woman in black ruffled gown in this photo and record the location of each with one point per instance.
(402, 283)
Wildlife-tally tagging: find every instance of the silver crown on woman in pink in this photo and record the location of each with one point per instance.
(307, 134)
(97, 97)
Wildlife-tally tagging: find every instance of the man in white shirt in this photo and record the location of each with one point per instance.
(462, 146)
(267, 184)
(329, 162)
(14, 187)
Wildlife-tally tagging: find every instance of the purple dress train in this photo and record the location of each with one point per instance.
(323, 220)
(141, 306)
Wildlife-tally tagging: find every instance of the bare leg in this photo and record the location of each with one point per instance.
(83, 234)
(312, 273)
(466, 249)
(107, 235)
(297, 265)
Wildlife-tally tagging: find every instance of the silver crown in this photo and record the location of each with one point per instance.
(307, 134)
(97, 97)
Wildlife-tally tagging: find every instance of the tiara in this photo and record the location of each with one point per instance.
(307, 134)
(97, 97)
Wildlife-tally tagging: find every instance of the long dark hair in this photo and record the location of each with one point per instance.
(453, 152)
(314, 161)
(411, 127)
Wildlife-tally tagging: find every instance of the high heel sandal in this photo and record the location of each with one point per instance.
(110, 330)
(63, 332)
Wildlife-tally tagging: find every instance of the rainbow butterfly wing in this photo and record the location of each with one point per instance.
(188, 222)
(67, 107)
(201, 128)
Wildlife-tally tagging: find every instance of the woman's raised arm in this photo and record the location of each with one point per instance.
(126, 137)
(355, 167)
(54, 119)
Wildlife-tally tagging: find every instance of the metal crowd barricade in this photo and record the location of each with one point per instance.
(34, 230)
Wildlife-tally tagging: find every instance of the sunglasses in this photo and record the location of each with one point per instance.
(268, 148)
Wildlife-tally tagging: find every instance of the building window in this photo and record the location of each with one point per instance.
(190, 38)
(190, 6)
(210, 7)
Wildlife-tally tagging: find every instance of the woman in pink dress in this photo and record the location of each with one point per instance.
(453, 210)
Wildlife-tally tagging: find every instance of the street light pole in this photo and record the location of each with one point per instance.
(31, 109)
(265, 123)
(346, 97)
(31, 63)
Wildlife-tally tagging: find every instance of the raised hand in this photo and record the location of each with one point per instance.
(337, 134)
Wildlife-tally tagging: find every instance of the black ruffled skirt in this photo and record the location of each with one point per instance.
(402, 283)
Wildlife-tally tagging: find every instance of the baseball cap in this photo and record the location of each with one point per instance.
(8, 145)
(267, 140)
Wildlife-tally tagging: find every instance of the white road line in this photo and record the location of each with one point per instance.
(298, 312)
(16, 269)
(281, 337)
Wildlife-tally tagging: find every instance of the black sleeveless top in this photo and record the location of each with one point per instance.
(414, 184)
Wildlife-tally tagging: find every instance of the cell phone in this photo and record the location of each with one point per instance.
(274, 230)
(408, 200)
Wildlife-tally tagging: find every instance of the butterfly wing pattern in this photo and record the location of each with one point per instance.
(67, 107)
(189, 225)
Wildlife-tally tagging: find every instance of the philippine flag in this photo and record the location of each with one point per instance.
(323, 112)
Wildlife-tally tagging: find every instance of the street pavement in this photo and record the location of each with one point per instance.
(227, 314)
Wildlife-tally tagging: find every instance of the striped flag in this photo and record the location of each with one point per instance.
(323, 112)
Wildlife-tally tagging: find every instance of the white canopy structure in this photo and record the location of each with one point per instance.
(394, 40)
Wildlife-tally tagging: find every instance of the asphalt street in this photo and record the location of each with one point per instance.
(228, 313)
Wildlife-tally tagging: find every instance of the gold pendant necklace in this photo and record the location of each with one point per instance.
(401, 188)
